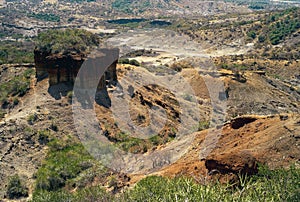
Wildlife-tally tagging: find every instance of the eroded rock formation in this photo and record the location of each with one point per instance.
(65, 67)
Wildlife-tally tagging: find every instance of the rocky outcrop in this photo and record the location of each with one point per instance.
(235, 163)
(65, 67)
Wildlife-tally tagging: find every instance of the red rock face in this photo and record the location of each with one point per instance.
(64, 68)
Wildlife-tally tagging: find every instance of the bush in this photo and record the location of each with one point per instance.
(134, 62)
(32, 118)
(251, 34)
(262, 38)
(16, 52)
(15, 101)
(15, 189)
(203, 125)
(54, 126)
(70, 96)
(45, 17)
(43, 136)
(65, 161)
(123, 61)
(14, 88)
(130, 62)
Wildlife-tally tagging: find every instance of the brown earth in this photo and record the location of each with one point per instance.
(241, 144)
(244, 142)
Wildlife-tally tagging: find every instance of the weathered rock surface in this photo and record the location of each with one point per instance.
(65, 67)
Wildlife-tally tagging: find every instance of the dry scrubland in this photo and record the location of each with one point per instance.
(255, 55)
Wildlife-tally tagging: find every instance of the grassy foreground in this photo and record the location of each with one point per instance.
(278, 185)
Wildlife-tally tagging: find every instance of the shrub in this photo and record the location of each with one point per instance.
(123, 61)
(134, 62)
(251, 34)
(15, 189)
(32, 118)
(130, 62)
(267, 185)
(70, 96)
(15, 101)
(261, 38)
(203, 125)
(54, 126)
(64, 161)
(43, 137)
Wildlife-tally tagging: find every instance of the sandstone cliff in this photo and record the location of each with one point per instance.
(65, 67)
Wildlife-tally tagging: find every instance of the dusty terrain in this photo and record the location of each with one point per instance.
(244, 142)
(240, 108)
(271, 139)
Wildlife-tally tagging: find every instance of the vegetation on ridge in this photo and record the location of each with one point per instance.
(66, 41)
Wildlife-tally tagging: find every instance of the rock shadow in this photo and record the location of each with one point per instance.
(59, 90)
(102, 98)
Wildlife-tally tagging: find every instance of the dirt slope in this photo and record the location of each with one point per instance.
(241, 144)
(244, 142)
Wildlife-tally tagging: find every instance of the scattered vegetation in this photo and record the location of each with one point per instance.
(45, 17)
(131, 144)
(80, 1)
(32, 118)
(15, 188)
(2, 113)
(65, 161)
(129, 6)
(14, 88)
(203, 125)
(234, 66)
(66, 41)
(43, 137)
(16, 52)
(182, 64)
(277, 185)
(127, 61)
(277, 27)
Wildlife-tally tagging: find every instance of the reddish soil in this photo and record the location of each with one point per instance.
(272, 140)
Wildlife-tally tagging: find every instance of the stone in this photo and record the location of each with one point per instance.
(61, 68)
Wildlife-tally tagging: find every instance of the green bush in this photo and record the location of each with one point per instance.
(70, 96)
(45, 17)
(43, 136)
(123, 61)
(32, 118)
(127, 61)
(16, 52)
(64, 162)
(15, 189)
(251, 34)
(261, 38)
(203, 125)
(14, 88)
(277, 185)
(134, 62)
